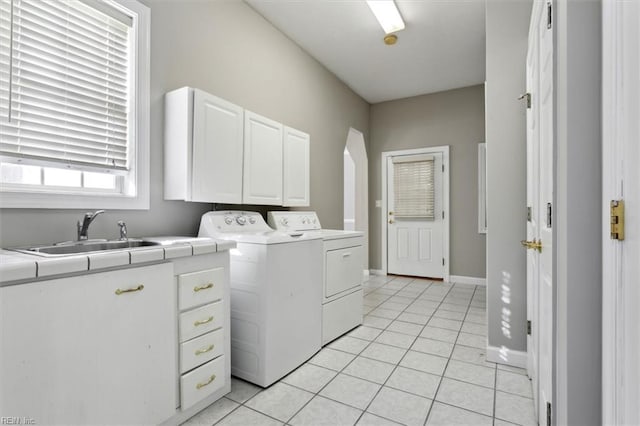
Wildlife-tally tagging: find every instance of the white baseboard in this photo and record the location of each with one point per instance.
(507, 356)
(376, 272)
(365, 273)
(459, 279)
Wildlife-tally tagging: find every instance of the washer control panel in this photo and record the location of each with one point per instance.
(237, 221)
(293, 221)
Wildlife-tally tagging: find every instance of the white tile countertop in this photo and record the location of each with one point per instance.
(17, 266)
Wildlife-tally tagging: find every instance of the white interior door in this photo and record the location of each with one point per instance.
(533, 192)
(540, 144)
(545, 215)
(621, 181)
(415, 215)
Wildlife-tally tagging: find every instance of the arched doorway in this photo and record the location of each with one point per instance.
(356, 187)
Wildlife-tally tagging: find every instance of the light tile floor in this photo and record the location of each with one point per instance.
(418, 359)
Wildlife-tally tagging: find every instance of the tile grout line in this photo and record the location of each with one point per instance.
(409, 348)
(414, 296)
(435, 394)
(340, 372)
(400, 360)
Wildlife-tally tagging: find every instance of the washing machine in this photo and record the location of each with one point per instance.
(276, 295)
(342, 269)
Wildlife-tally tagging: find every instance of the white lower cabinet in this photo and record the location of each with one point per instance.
(145, 345)
(204, 333)
(90, 349)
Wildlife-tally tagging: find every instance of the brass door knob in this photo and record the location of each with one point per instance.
(390, 220)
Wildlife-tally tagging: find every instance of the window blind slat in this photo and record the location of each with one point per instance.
(69, 76)
(34, 148)
(39, 85)
(32, 121)
(104, 113)
(58, 43)
(67, 157)
(33, 137)
(38, 58)
(63, 14)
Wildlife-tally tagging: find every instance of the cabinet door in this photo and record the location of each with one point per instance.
(262, 160)
(296, 168)
(75, 352)
(216, 174)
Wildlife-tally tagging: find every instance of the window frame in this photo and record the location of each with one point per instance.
(136, 185)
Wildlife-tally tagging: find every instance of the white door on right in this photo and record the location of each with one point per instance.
(540, 142)
(415, 215)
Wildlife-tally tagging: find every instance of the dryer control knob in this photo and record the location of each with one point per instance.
(252, 220)
(241, 220)
(228, 220)
(305, 220)
(284, 221)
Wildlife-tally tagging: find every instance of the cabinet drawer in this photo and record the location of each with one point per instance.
(202, 320)
(202, 382)
(197, 351)
(200, 287)
(344, 270)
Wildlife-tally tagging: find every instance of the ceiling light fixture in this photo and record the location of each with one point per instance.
(387, 14)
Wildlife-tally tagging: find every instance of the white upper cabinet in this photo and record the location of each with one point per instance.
(263, 160)
(296, 168)
(203, 148)
(217, 152)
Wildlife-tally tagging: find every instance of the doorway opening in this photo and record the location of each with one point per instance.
(356, 187)
(349, 221)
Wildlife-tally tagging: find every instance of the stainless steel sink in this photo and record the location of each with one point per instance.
(78, 247)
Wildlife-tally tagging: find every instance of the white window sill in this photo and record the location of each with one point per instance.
(63, 201)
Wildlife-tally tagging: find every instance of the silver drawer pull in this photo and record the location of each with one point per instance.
(203, 287)
(129, 290)
(204, 350)
(208, 382)
(204, 321)
(346, 254)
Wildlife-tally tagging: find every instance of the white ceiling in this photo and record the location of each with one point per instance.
(441, 48)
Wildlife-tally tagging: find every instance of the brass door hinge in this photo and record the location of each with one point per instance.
(617, 220)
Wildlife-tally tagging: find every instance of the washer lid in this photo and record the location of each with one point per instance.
(268, 237)
(334, 234)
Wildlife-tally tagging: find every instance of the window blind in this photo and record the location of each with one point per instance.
(64, 83)
(413, 187)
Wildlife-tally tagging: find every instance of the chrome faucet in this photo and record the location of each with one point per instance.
(83, 228)
(123, 230)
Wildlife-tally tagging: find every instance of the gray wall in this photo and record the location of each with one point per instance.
(507, 23)
(577, 236)
(223, 47)
(454, 118)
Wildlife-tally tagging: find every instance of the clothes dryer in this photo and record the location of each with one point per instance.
(342, 269)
